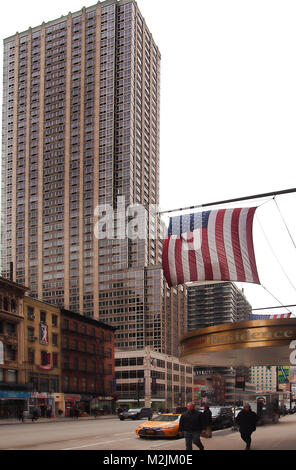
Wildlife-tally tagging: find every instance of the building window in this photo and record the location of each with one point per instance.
(31, 356)
(83, 382)
(75, 383)
(55, 359)
(30, 333)
(43, 317)
(54, 320)
(30, 313)
(10, 353)
(45, 358)
(66, 382)
(12, 376)
(54, 339)
(66, 362)
(5, 304)
(10, 329)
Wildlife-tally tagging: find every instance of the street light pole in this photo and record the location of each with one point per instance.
(139, 390)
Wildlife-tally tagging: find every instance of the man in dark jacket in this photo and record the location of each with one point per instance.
(247, 419)
(208, 420)
(192, 424)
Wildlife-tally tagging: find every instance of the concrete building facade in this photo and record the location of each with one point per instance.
(264, 378)
(147, 378)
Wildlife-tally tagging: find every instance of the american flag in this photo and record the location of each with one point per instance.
(210, 246)
(253, 316)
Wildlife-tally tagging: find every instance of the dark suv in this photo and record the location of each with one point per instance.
(222, 417)
(136, 413)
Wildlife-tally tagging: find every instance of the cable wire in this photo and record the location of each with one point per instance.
(276, 299)
(274, 254)
(282, 217)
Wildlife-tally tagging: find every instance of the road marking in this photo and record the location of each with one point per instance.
(99, 443)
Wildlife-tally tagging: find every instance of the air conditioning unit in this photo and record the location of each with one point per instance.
(32, 338)
(31, 317)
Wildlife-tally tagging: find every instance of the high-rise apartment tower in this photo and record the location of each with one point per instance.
(81, 130)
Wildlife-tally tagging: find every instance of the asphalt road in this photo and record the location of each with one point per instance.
(113, 434)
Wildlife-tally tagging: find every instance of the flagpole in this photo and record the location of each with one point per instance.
(227, 201)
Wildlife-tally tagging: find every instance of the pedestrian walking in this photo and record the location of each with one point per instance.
(192, 425)
(48, 412)
(76, 411)
(247, 420)
(35, 414)
(208, 421)
(21, 416)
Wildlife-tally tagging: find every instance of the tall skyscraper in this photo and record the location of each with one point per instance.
(80, 132)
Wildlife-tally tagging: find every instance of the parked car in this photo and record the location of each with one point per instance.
(222, 417)
(164, 425)
(136, 413)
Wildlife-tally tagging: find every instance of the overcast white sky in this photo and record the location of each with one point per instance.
(228, 110)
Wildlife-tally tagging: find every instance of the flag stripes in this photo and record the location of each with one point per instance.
(212, 245)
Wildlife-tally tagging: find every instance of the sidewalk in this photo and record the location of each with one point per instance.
(55, 420)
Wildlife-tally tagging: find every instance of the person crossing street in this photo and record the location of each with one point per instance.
(246, 420)
(192, 424)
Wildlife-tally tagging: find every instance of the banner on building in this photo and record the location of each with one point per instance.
(283, 374)
(210, 246)
(43, 333)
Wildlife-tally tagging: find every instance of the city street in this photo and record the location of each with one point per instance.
(112, 434)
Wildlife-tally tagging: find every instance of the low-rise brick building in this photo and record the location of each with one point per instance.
(14, 392)
(43, 354)
(87, 363)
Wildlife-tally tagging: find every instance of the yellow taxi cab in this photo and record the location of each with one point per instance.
(164, 425)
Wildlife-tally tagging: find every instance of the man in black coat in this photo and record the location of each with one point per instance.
(208, 420)
(247, 419)
(192, 424)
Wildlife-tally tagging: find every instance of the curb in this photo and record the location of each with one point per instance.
(54, 420)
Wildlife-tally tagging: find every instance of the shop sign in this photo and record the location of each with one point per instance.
(39, 395)
(73, 397)
(13, 394)
(103, 398)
